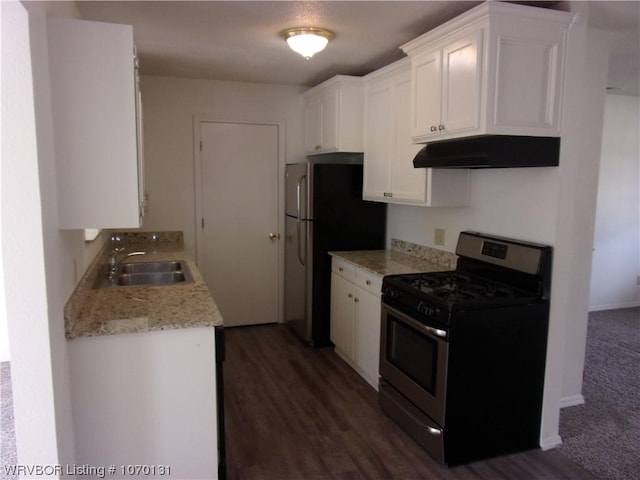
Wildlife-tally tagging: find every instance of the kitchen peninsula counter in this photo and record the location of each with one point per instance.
(403, 257)
(119, 310)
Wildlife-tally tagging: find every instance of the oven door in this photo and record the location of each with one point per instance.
(413, 360)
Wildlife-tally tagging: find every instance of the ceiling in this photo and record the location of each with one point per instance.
(240, 41)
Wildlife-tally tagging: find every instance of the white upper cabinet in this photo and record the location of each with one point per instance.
(97, 130)
(496, 69)
(333, 116)
(389, 175)
(446, 88)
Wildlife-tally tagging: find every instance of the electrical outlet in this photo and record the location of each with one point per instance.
(438, 237)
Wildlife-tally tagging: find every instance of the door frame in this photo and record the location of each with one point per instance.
(198, 120)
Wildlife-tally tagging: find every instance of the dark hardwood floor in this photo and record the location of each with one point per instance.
(296, 413)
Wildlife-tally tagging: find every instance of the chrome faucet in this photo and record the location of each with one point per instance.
(114, 263)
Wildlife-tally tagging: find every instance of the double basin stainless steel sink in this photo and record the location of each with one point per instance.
(145, 274)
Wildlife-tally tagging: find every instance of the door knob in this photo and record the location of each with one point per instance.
(274, 236)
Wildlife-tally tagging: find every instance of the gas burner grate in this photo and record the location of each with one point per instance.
(455, 287)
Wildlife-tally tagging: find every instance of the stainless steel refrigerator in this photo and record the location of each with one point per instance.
(324, 212)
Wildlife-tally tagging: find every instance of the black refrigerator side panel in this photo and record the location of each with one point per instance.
(342, 221)
(220, 356)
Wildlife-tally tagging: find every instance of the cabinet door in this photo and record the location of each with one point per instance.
(329, 120)
(142, 191)
(461, 76)
(312, 125)
(367, 334)
(426, 97)
(407, 183)
(528, 59)
(93, 103)
(342, 314)
(378, 153)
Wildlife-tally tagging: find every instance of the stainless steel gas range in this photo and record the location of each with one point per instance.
(462, 353)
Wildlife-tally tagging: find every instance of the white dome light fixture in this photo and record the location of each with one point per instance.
(307, 41)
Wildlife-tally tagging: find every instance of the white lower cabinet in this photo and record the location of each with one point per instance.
(146, 399)
(355, 318)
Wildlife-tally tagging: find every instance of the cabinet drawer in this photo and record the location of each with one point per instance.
(344, 269)
(369, 281)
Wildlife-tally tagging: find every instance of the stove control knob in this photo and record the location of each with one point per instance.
(425, 309)
(391, 293)
(422, 308)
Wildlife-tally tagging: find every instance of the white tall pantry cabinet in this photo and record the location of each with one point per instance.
(96, 124)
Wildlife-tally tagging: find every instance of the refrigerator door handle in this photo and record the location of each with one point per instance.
(298, 195)
(298, 222)
(300, 259)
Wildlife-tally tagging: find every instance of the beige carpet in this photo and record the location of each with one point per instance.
(7, 429)
(603, 434)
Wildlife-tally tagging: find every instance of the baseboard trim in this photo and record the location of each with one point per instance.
(550, 442)
(616, 306)
(571, 401)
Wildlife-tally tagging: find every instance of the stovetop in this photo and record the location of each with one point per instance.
(491, 272)
(457, 287)
(451, 291)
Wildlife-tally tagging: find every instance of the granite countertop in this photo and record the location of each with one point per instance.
(117, 310)
(403, 257)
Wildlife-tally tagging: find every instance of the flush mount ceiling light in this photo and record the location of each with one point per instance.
(307, 41)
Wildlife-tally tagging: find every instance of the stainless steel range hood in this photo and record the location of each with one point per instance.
(490, 151)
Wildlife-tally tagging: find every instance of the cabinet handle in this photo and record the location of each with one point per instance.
(434, 128)
(387, 194)
(440, 127)
(340, 269)
(350, 296)
(317, 147)
(356, 300)
(368, 282)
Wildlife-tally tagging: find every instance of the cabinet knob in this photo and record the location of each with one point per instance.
(274, 236)
(340, 269)
(441, 127)
(356, 300)
(387, 194)
(368, 282)
(317, 147)
(434, 128)
(350, 295)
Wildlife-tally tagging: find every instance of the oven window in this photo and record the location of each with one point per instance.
(412, 353)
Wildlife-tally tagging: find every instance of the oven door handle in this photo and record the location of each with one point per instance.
(417, 325)
(432, 430)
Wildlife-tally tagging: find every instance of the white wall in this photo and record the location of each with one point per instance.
(169, 106)
(616, 258)
(44, 262)
(26, 301)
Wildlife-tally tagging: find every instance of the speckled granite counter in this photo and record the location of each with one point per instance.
(109, 311)
(403, 257)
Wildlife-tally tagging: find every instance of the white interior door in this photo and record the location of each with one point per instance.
(238, 250)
